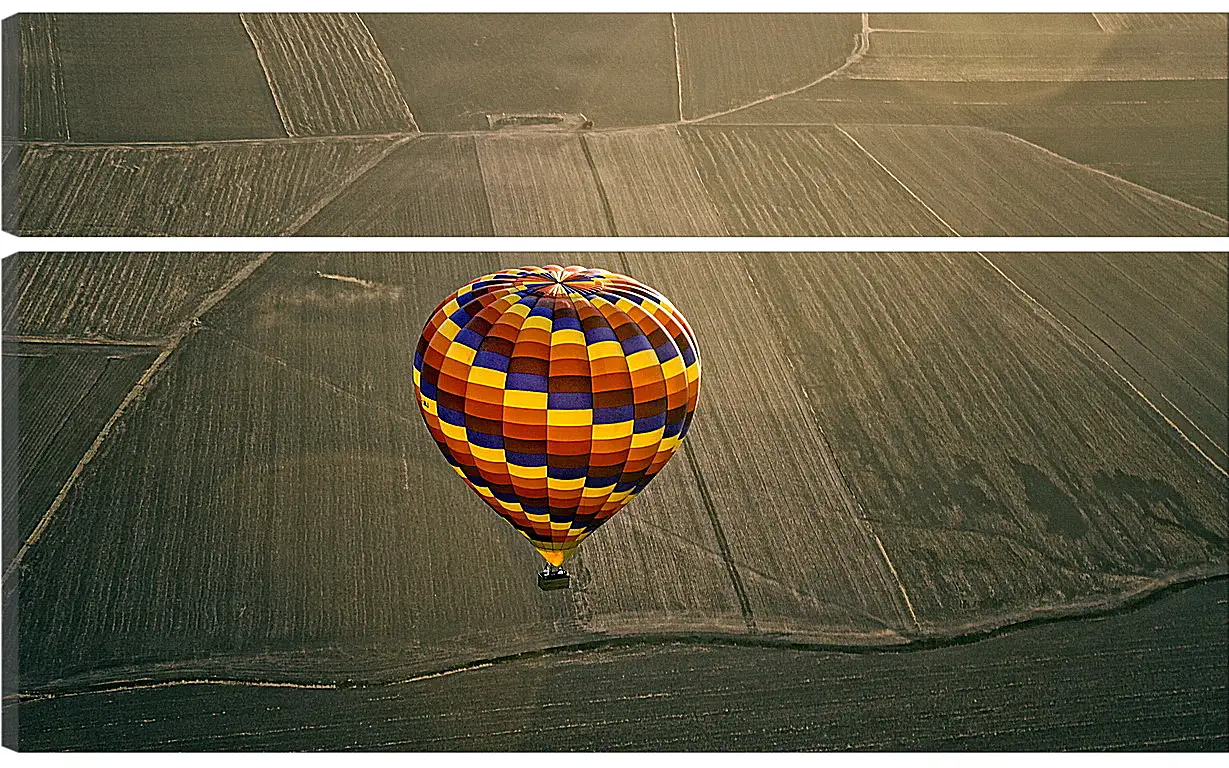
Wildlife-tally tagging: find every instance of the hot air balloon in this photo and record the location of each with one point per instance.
(557, 393)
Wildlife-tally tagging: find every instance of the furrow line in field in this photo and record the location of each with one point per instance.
(17, 338)
(1205, 435)
(639, 522)
(744, 603)
(1080, 343)
(827, 458)
(601, 190)
(861, 45)
(44, 108)
(678, 67)
(346, 184)
(1218, 407)
(264, 66)
(895, 178)
(327, 74)
(133, 396)
(1151, 193)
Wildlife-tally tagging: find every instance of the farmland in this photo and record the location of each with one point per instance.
(1097, 92)
(1140, 99)
(431, 185)
(781, 181)
(80, 296)
(1152, 678)
(1162, 326)
(541, 185)
(63, 396)
(677, 204)
(617, 69)
(729, 59)
(200, 189)
(327, 75)
(36, 96)
(152, 77)
(986, 199)
(931, 455)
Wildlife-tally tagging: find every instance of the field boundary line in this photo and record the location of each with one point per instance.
(678, 65)
(1072, 335)
(847, 500)
(1124, 601)
(902, 184)
(895, 575)
(324, 201)
(179, 144)
(597, 182)
(134, 394)
(264, 67)
(855, 56)
(1147, 192)
(389, 75)
(723, 544)
(1190, 421)
(17, 338)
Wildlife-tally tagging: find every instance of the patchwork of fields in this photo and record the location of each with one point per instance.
(1149, 679)
(933, 454)
(1123, 97)
(1141, 96)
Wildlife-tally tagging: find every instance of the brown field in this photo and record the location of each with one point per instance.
(65, 393)
(729, 59)
(160, 77)
(781, 181)
(985, 437)
(327, 74)
(1141, 99)
(1153, 678)
(1168, 136)
(541, 184)
(1042, 57)
(676, 204)
(1002, 23)
(616, 68)
(429, 186)
(76, 296)
(1148, 22)
(979, 172)
(931, 454)
(238, 188)
(1159, 318)
(38, 88)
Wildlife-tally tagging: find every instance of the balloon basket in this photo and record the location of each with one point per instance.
(553, 577)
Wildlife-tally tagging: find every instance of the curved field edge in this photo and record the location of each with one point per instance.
(220, 671)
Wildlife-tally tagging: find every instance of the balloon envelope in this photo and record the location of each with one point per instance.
(557, 393)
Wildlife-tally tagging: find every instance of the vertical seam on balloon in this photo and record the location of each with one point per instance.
(631, 386)
(566, 296)
(517, 484)
(670, 339)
